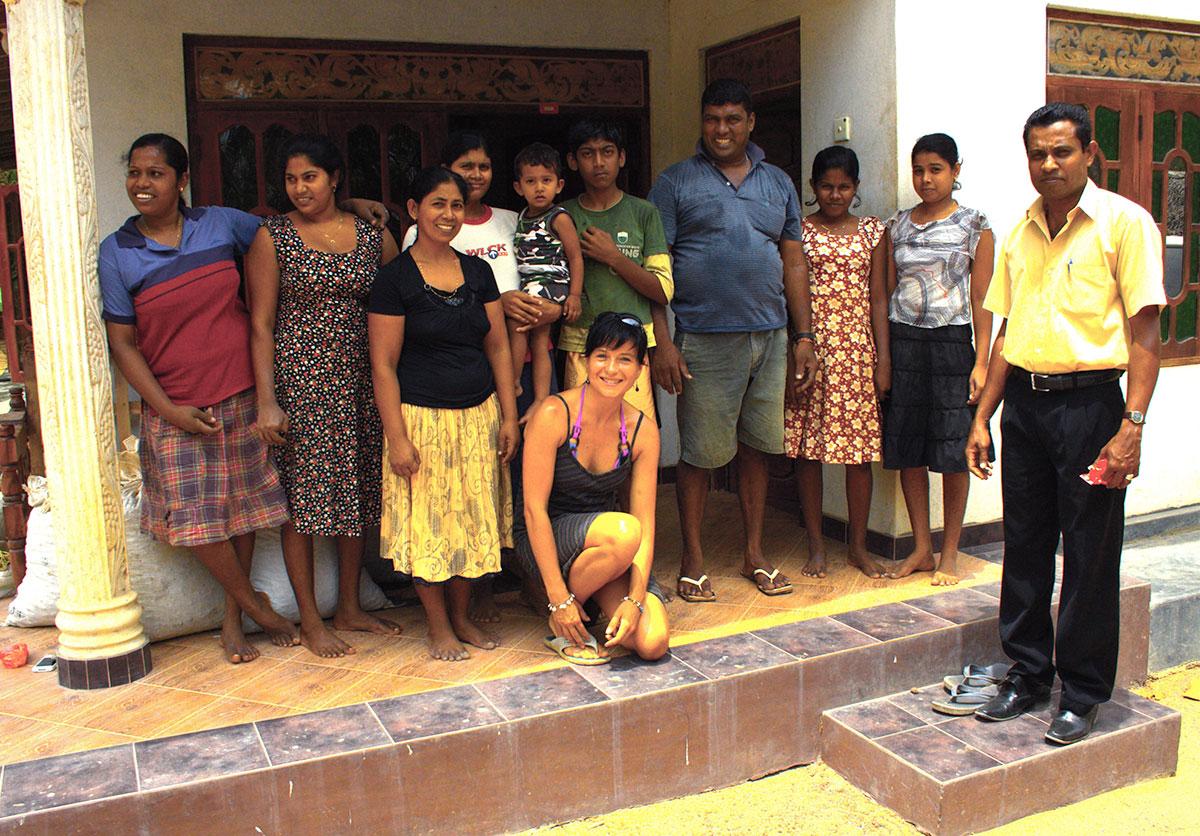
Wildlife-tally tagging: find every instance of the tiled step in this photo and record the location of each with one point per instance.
(712, 714)
(951, 775)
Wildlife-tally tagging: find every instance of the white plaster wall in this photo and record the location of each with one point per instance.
(135, 53)
(980, 91)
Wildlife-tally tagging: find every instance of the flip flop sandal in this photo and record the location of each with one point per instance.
(770, 576)
(697, 597)
(963, 702)
(978, 676)
(559, 645)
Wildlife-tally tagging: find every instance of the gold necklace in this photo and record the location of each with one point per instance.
(332, 240)
(834, 230)
(177, 232)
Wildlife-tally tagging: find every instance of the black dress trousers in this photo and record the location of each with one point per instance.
(1049, 440)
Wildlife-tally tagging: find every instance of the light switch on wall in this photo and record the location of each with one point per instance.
(841, 129)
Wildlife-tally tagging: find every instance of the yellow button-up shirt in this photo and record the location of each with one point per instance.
(1068, 298)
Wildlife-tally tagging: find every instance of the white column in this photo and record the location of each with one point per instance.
(99, 617)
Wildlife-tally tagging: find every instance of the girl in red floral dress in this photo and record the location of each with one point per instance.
(837, 420)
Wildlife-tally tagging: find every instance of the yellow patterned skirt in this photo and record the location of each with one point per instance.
(453, 516)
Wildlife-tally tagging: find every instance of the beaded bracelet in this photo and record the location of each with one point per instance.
(557, 607)
(637, 604)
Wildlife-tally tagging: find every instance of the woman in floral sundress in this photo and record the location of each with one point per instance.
(836, 421)
(309, 274)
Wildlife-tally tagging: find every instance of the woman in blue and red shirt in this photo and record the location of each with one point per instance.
(180, 333)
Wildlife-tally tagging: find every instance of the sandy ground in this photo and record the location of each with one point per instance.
(815, 799)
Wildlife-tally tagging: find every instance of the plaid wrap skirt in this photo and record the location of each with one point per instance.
(201, 489)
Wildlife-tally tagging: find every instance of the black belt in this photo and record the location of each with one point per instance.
(1065, 382)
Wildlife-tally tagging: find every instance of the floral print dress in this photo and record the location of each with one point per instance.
(837, 419)
(330, 466)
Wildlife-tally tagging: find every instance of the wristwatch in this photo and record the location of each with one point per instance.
(1134, 417)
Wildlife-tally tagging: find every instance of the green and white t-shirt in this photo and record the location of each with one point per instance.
(637, 230)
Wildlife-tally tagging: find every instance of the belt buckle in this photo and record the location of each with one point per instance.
(1033, 381)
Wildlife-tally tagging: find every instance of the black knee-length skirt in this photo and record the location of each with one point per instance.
(927, 418)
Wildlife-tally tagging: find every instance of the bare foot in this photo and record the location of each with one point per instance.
(322, 642)
(237, 648)
(471, 633)
(815, 567)
(483, 609)
(915, 562)
(446, 646)
(946, 573)
(279, 630)
(364, 622)
(865, 564)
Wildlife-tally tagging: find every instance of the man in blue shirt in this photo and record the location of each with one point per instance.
(732, 222)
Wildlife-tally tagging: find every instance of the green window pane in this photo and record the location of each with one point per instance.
(1185, 318)
(1194, 269)
(1156, 207)
(1108, 132)
(1191, 136)
(1164, 327)
(1114, 180)
(362, 160)
(239, 171)
(274, 138)
(404, 161)
(1196, 198)
(1164, 134)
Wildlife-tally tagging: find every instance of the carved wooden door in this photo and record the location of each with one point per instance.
(384, 148)
(1173, 164)
(235, 156)
(1116, 116)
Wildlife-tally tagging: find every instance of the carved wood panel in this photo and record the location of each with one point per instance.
(767, 62)
(417, 74)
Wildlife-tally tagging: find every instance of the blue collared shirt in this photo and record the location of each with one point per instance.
(725, 242)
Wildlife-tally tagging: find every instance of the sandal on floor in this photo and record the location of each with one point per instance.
(770, 576)
(559, 645)
(977, 676)
(697, 597)
(964, 701)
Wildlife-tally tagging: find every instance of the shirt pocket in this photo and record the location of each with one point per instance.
(1085, 292)
(767, 215)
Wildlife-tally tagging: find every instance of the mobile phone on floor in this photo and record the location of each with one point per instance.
(45, 664)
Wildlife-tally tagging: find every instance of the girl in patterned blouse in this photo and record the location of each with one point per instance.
(938, 274)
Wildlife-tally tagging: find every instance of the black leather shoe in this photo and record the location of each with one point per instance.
(1013, 699)
(1069, 727)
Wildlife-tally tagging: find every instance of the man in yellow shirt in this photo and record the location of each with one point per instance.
(1080, 284)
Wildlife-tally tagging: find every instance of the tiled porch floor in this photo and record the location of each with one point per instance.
(191, 688)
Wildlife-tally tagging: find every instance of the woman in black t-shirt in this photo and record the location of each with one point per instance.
(444, 387)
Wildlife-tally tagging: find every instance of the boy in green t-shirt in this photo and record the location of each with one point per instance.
(626, 264)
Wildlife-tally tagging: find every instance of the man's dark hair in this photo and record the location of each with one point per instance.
(537, 153)
(725, 91)
(1047, 115)
(587, 129)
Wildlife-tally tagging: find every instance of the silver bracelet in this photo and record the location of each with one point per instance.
(637, 604)
(557, 607)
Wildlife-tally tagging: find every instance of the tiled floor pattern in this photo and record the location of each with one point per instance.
(176, 757)
(191, 688)
(952, 775)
